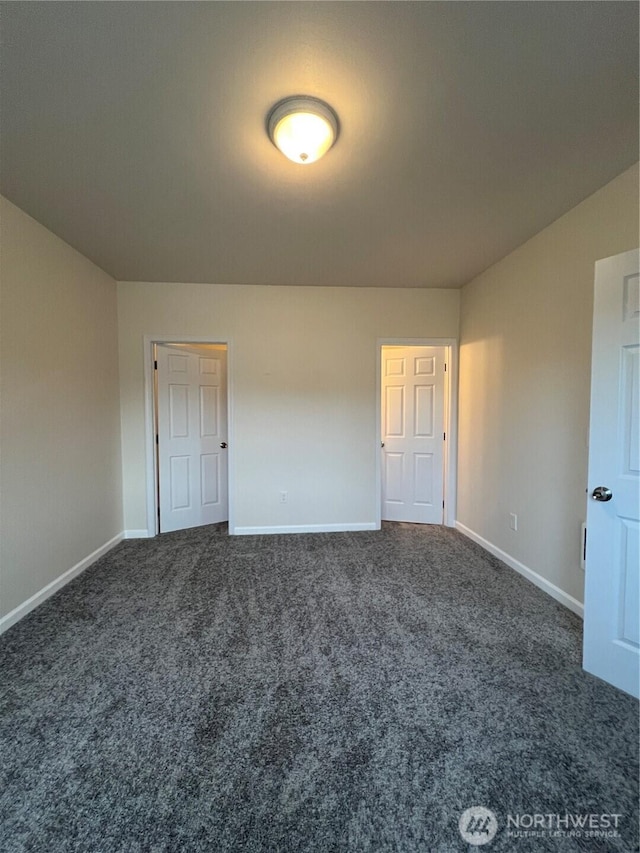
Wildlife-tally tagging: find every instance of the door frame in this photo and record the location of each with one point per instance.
(450, 456)
(153, 524)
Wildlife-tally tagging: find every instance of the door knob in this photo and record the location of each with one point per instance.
(382, 444)
(602, 493)
(223, 444)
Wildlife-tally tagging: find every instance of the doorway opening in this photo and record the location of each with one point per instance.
(417, 430)
(188, 420)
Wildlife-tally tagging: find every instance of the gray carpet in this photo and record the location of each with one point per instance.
(326, 692)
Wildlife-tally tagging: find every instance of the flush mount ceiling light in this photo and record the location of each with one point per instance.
(303, 128)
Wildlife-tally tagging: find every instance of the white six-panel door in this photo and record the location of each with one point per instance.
(192, 436)
(412, 434)
(612, 587)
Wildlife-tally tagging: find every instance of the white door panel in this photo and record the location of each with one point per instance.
(423, 477)
(424, 411)
(192, 426)
(612, 607)
(412, 434)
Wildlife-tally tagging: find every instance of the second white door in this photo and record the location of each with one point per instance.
(413, 434)
(192, 436)
(612, 586)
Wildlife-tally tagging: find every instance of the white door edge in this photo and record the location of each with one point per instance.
(151, 476)
(450, 420)
(611, 649)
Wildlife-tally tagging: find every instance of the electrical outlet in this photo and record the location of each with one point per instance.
(513, 521)
(284, 496)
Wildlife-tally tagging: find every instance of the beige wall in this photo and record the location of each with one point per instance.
(524, 385)
(303, 369)
(60, 440)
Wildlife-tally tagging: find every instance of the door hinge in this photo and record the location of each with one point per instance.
(444, 436)
(445, 367)
(157, 439)
(442, 504)
(155, 364)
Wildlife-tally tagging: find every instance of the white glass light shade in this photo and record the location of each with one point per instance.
(303, 128)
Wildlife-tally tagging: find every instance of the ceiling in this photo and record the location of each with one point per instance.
(136, 132)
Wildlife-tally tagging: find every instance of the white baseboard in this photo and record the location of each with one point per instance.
(542, 583)
(136, 534)
(27, 606)
(305, 528)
